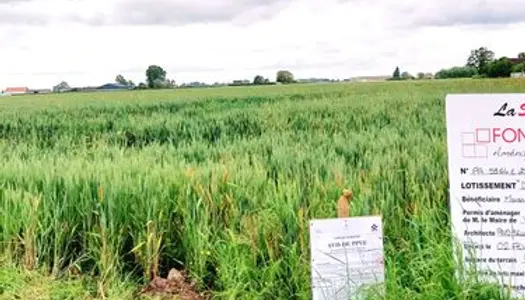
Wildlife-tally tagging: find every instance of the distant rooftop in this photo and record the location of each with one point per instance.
(114, 86)
(516, 60)
(16, 89)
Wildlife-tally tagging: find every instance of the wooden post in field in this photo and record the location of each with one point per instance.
(343, 204)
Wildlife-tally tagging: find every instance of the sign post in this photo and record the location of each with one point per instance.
(486, 165)
(346, 255)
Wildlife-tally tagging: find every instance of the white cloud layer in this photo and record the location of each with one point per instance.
(89, 42)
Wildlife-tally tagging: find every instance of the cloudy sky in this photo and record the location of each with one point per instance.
(89, 42)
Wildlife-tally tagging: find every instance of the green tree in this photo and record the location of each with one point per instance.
(480, 59)
(396, 74)
(284, 76)
(258, 80)
(457, 72)
(158, 84)
(142, 86)
(155, 76)
(420, 75)
(170, 83)
(61, 87)
(121, 80)
(500, 68)
(519, 68)
(405, 75)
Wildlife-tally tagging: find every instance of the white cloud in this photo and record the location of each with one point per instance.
(454, 12)
(311, 38)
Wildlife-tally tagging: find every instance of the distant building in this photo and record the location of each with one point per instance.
(315, 80)
(84, 89)
(518, 75)
(197, 84)
(240, 82)
(114, 86)
(515, 60)
(16, 90)
(371, 78)
(40, 91)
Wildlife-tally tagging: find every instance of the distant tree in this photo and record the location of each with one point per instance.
(521, 55)
(170, 83)
(284, 76)
(422, 75)
(480, 59)
(142, 86)
(61, 87)
(155, 76)
(396, 74)
(500, 68)
(158, 84)
(519, 67)
(258, 80)
(457, 72)
(121, 80)
(405, 75)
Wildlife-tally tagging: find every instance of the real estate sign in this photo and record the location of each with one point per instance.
(486, 152)
(346, 258)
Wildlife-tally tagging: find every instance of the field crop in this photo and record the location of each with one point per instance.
(222, 182)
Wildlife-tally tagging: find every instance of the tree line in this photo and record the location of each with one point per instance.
(156, 79)
(481, 63)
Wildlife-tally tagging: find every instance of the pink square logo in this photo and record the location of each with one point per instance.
(483, 135)
(469, 151)
(468, 138)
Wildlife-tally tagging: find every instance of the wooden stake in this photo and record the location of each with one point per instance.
(343, 204)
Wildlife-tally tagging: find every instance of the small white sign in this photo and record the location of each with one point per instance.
(347, 258)
(486, 152)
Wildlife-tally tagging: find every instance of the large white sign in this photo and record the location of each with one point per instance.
(346, 257)
(486, 151)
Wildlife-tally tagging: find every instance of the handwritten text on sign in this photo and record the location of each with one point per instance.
(486, 148)
(347, 256)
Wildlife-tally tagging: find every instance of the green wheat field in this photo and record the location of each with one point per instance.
(100, 191)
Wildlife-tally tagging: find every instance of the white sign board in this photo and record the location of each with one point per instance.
(486, 152)
(346, 257)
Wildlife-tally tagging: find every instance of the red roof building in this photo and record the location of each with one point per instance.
(17, 90)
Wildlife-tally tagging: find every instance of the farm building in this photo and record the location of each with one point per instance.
(371, 78)
(113, 86)
(16, 90)
(40, 91)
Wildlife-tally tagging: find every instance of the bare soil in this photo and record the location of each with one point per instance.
(175, 286)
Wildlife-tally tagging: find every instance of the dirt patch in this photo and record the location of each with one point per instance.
(174, 287)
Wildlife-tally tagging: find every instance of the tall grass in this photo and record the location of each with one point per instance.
(223, 182)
